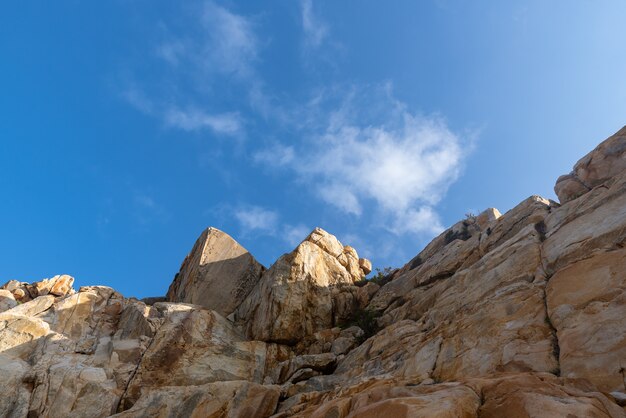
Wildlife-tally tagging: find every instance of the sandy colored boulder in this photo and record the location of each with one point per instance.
(305, 291)
(606, 161)
(365, 265)
(218, 273)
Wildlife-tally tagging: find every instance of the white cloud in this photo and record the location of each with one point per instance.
(147, 210)
(315, 31)
(138, 100)
(339, 194)
(194, 119)
(401, 167)
(231, 43)
(275, 155)
(256, 218)
(222, 48)
(421, 221)
(294, 234)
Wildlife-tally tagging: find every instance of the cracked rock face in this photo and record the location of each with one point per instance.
(518, 314)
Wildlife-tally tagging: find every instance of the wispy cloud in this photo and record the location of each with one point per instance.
(219, 47)
(403, 166)
(315, 31)
(194, 119)
(275, 154)
(257, 219)
(231, 44)
(147, 210)
(294, 234)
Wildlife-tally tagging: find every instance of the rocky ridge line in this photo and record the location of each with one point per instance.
(519, 314)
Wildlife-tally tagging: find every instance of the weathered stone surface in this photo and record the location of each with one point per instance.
(7, 300)
(305, 291)
(218, 274)
(517, 395)
(606, 161)
(455, 248)
(235, 399)
(587, 305)
(365, 265)
(593, 223)
(60, 285)
(284, 371)
(194, 346)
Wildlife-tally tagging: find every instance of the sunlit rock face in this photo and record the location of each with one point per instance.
(518, 314)
(310, 289)
(218, 273)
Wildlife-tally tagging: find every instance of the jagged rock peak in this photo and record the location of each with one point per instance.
(520, 314)
(307, 290)
(599, 166)
(218, 273)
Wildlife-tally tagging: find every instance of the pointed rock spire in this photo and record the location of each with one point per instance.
(218, 273)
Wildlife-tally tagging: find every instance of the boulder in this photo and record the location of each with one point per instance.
(58, 286)
(365, 265)
(218, 274)
(603, 163)
(309, 289)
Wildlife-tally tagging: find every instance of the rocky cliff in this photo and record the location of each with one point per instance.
(514, 315)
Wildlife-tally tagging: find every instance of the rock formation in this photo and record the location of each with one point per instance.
(218, 273)
(518, 314)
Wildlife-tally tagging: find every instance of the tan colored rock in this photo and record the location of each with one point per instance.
(61, 285)
(587, 305)
(606, 161)
(66, 354)
(233, 399)
(569, 187)
(195, 346)
(305, 291)
(514, 395)
(593, 223)
(453, 249)
(542, 396)
(365, 265)
(14, 386)
(7, 300)
(365, 293)
(323, 363)
(218, 274)
(518, 315)
(486, 318)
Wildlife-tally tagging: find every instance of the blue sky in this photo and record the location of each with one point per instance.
(127, 127)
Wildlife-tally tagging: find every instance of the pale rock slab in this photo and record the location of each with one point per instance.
(217, 274)
(195, 346)
(587, 305)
